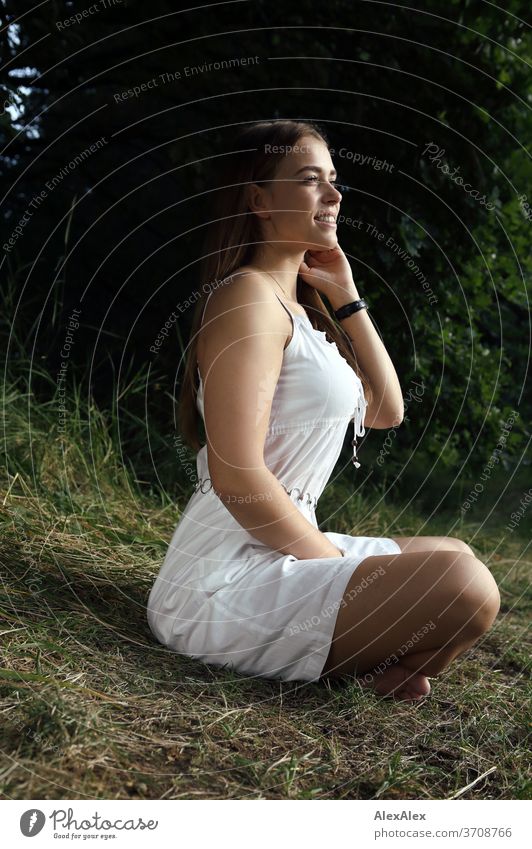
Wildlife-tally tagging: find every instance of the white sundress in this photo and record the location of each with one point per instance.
(225, 598)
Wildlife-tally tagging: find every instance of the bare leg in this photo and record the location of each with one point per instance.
(407, 679)
(416, 667)
(409, 544)
(451, 591)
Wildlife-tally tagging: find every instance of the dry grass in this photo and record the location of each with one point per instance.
(93, 707)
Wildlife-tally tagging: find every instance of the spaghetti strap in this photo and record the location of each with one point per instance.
(284, 305)
(290, 313)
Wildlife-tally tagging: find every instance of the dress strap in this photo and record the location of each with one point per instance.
(284, 305)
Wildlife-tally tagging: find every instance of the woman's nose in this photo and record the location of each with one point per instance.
(332, 193)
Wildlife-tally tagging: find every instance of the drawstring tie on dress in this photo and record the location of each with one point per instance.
(359, 415)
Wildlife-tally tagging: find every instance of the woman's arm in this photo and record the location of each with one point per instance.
(329, 272)
(240, 361)
(260, 504)
(386, 408)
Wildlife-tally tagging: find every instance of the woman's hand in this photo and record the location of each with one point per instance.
(329, 272)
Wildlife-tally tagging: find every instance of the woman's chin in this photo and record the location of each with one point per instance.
(323, 244)
(322, 241)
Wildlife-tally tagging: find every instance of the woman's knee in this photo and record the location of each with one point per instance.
(459, 545)
(474, 591)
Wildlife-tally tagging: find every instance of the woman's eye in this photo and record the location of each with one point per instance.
(337, 185)
(315, 177)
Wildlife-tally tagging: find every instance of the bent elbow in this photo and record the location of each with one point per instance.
(396, 417)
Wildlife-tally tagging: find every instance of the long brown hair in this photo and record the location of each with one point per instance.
(231, 239)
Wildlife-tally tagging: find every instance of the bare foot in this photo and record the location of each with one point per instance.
(397, 682)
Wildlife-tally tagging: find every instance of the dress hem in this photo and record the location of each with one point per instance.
(312, 669)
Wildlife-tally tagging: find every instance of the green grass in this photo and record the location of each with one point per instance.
(93, 707)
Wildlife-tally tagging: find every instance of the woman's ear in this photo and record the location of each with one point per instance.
(256, 200)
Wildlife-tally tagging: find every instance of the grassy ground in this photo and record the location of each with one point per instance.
(93, 707)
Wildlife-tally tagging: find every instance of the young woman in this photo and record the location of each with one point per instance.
(249, 581)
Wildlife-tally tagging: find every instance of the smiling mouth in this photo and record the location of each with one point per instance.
(326, 222)
(323, 214)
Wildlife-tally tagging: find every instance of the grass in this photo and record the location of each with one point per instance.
(93, 707)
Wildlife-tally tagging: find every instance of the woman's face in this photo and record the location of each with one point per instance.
(303, 188)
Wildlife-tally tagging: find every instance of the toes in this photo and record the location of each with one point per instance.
(417, 683)
(414, 695)
(410, 695)
(413, 687)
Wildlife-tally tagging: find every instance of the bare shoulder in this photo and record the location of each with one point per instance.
(244, 287)
(240, 359)
(243, 301)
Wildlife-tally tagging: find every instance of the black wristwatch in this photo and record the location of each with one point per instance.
(349, 309)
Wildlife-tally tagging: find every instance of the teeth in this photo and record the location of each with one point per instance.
(330, 218)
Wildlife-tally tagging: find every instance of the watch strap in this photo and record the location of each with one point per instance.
(349, 309)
